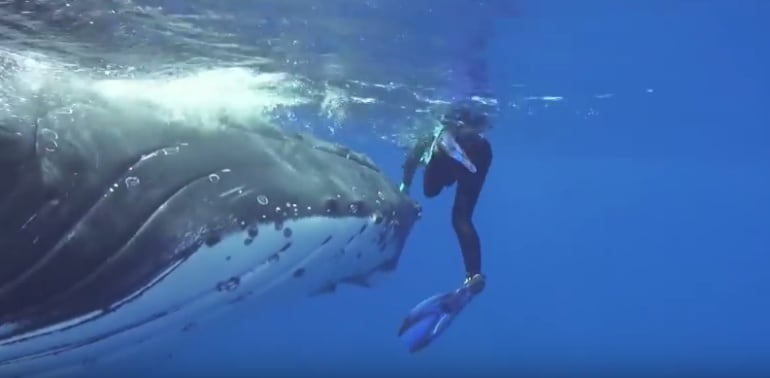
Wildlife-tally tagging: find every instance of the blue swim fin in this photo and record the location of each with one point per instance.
(426, 321)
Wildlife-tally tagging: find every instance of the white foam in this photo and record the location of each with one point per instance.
(205, 98)
(190, 292)
(544, 98)
(196, 97)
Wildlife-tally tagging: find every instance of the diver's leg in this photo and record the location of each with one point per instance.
(435, 178)
(469, 187)
(467, 194)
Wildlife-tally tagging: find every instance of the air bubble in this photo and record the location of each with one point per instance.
(262, 199)
(132, 181)
(353, 208)
(214, 178)
(381, 195)
(170, 150)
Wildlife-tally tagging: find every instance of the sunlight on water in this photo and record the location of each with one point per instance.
(211, 97)
(310, 64)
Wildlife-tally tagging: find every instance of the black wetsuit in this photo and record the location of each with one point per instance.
(443, 171)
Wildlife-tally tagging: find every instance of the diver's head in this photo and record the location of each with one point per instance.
(464, 118)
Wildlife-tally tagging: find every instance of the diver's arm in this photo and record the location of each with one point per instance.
(413, 161)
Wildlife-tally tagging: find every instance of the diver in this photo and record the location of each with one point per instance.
(456, 152)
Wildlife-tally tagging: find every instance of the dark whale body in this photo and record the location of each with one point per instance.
(99, 206)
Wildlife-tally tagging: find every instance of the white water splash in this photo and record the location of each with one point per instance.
(203, 98)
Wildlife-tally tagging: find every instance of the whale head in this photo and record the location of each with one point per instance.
(116, 228)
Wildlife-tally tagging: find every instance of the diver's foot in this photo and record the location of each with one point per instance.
(475, 282)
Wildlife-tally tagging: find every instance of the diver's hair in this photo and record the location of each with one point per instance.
(463, 116)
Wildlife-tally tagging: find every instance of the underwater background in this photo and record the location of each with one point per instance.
(627, 233)
(625, 222)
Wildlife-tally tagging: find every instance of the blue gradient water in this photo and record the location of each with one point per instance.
(625, 222)
(627, 233)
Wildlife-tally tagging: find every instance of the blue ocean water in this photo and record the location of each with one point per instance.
(624, 224)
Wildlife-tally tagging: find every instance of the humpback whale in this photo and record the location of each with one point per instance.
(117, 229)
